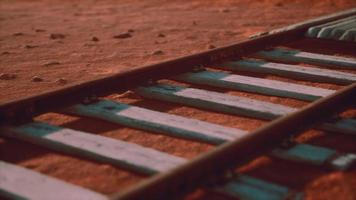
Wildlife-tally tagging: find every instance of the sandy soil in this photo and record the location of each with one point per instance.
(50, 44)
(176, 28)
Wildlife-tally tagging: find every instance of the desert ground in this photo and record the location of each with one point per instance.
(49, 44)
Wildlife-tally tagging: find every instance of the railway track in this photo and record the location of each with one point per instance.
(246, 80)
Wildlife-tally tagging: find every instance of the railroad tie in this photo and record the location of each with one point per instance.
(246, 187)
(314, 31)
(214, 101)
(116, 152)
(20, 183)
(318, 156)
(343, 125)
(343, 29)
(329, 32)
(197, 130)
(235, 105)
(141, 118)
(291, 71)
(295, 56)
(95, 147)
(256, 85)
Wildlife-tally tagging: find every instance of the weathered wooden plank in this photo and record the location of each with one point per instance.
(266, 189)
(150, 120)
(344, 29)
(326, 32)
(338, 32)
(95, 147)
(247, 187)
(215, 101)
(145, 119)
(345, 126)
(257, 85)
(305, 153)
(20, 183)
(292, 71)
(315, 155)
(225, 103)
(306, 57)
(349, 35)
(313, 31)
(343, 162)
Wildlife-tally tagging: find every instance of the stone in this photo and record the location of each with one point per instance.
(161, 35)
(123, 36)
(157, 52)
(40, 30)
(210, 46)
(29, 46)
(61, 81)
(6, 76)
(36, 79)
(17, 34)
(50, 63)
(55, 36)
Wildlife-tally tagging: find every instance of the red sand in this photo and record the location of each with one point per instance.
(174, 27)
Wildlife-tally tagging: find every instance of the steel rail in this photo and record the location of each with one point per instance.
(25, 108)
(215, 163)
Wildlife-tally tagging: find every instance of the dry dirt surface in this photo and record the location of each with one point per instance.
(49, 44)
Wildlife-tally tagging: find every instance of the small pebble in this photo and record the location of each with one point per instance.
(158, 52)
(28, 46)
(51, 63)
(17, 34)
(55, 36)
(279, 4)
(123, 36)
(195, 23)
(210, 46)
(5, 76)
(36, 79)
(130, 30)
(61, 81)
(40, 30)
(95, 39)
(161, 35)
